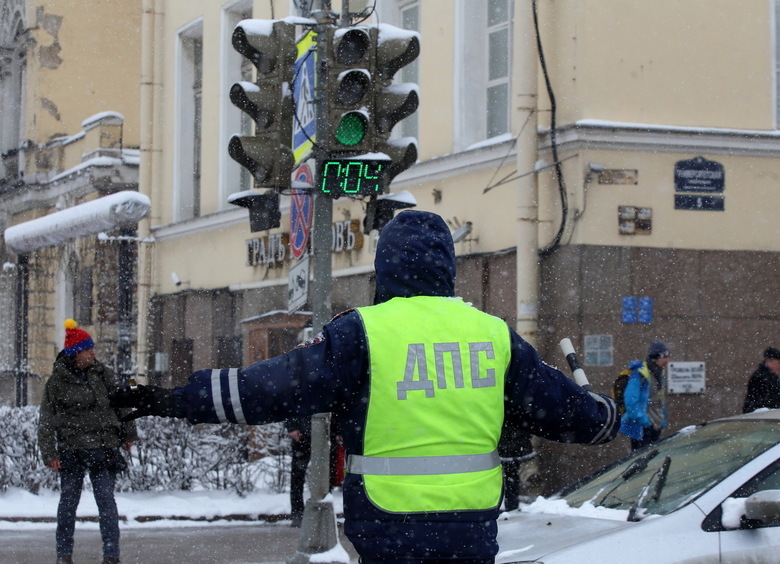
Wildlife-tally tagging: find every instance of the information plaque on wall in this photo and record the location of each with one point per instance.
(686, 377)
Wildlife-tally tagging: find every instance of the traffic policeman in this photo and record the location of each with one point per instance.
(421, 382)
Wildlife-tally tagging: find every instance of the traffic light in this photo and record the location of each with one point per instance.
(395, 48)
(270, 46)
(363, 105)
(380, 210)
(349, 90)
(264, 213)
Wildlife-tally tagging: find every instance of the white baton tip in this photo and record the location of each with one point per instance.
(566, 346)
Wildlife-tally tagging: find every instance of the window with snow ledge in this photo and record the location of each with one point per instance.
(483, 58)
(187, 142)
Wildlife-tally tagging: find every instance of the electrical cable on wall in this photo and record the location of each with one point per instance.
(553, 142)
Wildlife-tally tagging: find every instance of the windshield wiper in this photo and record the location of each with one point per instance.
(660, 475)
(633, 469)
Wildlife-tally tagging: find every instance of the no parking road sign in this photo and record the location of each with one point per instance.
(301, 210)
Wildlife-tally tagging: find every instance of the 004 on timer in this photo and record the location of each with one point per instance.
(352, 177)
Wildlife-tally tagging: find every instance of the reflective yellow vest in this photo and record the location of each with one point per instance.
(436, 405)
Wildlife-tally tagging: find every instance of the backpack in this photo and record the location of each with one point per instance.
(619, 389)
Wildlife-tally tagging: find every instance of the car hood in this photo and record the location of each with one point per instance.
(529, 536)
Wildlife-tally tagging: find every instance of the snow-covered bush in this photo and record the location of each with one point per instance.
(170, 454)
(20, 460)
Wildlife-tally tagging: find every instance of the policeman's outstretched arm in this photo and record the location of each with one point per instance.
(146, 400)
(307, 380)
(551, 405)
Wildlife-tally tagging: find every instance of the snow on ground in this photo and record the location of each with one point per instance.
(150, 509)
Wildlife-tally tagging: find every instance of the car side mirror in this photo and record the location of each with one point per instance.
(764, 506)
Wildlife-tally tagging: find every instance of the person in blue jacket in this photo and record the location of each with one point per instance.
(645, 397)
(421, 383)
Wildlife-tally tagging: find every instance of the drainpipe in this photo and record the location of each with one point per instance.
(150, 53)
(527, 189)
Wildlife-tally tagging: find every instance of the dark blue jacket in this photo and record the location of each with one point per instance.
(415, 256)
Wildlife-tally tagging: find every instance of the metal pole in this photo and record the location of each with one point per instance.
(318, 529)
(125, 265)
(22, 310)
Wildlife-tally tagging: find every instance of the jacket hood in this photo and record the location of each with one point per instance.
(415, 256)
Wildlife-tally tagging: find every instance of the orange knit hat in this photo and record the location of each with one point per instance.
(76, 340)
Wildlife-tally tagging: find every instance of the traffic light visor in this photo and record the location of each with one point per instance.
(351, 47)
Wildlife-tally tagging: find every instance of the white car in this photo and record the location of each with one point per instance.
(708, 494)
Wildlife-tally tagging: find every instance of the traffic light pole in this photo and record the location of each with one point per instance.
(318, 530)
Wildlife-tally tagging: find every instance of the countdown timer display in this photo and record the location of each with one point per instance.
(351, 177)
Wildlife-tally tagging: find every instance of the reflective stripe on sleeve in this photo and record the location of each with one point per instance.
(216, 395)
(422, 465)
(235, 399)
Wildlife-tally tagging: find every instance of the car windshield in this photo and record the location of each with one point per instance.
(675, 471)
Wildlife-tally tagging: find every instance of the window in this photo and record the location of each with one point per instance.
(82, 295)
(13, 63)
(188, 131)
(483, 70)
(235, 68)
(499, 38)
(598, 350)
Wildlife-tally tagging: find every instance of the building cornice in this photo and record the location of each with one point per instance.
(582, 135)
(620, 136)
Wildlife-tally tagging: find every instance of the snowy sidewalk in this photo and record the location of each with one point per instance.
(21, 509)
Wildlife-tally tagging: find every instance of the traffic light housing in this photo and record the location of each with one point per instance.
(348, 90)
(270, 46)
(363, 105)
(264, 213)
(395, 48)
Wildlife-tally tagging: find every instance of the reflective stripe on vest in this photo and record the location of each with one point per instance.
(436, 394)
(422, 465)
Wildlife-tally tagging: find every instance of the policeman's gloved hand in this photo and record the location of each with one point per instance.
(147, 400)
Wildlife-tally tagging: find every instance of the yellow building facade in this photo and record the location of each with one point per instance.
(616, 186)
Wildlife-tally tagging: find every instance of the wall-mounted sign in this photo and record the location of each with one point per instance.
(686, 377)
(272, 250)
(618, 176)
(704, 202)
(699, 175)
(636, 310)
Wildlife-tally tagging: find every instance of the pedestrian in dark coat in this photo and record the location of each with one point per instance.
(299, 431)
(515, 449)
(420, 382)
(79, 432)
(763, 389)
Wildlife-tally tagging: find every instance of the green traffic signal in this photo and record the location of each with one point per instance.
(351, 129)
